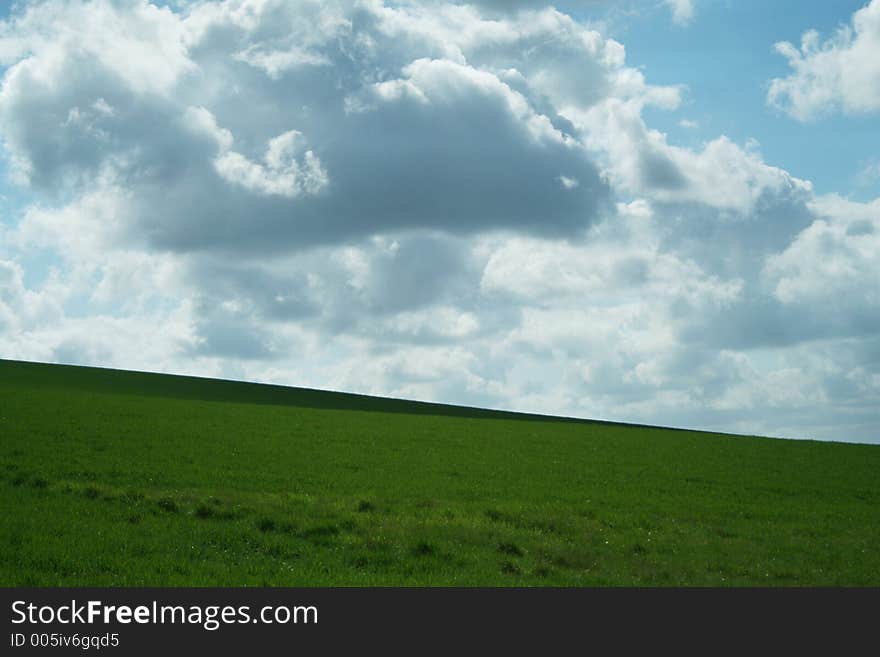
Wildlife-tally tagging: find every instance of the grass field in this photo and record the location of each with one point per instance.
(122, 478)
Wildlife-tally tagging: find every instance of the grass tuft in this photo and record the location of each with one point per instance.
(266, 525)
(510, 568)
(167, 504)
(423, 549)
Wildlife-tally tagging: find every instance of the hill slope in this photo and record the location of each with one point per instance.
(123, 478)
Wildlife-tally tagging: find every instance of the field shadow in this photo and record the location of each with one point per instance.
(110, 381)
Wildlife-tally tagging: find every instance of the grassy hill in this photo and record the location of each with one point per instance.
(124, 478)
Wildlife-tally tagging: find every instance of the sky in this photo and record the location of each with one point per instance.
(653, 211)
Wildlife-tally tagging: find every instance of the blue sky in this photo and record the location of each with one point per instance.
(725, 57)
(663, 212)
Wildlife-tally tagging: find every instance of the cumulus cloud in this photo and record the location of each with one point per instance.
(827, 262)
(444, 130)
(841, 73)
(461, 202)
(21, 308)
(280, 174)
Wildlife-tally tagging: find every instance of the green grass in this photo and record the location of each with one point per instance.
(121, 478)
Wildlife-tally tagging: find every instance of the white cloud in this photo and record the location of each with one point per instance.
(568, 183)
(136, 41)
(869, 173)
(461, 203)
(603, 272)
(828, 264)
(150, 342)
(281, 174)
(200, 121)
(682, 11)
(841, 73)
(276, 62)
(22, 308)
(80, 230)
(722, 174)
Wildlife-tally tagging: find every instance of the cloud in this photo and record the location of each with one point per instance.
(409, 147)
(682, 11)
(841, 73)
(281, 174)
(869, 173)
(439, 201)
(828, 262)
(721, 175)
(21, 308)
